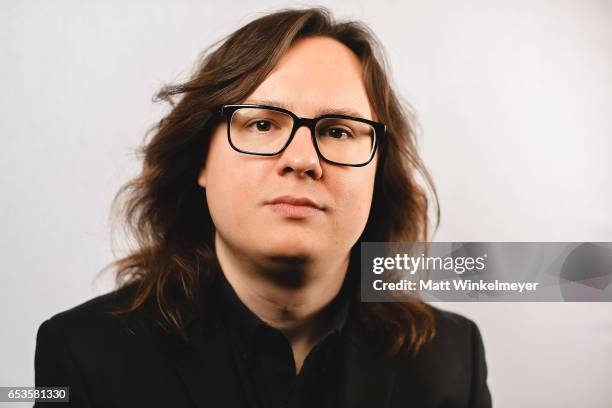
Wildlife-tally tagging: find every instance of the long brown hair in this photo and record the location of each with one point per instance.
(165, 209)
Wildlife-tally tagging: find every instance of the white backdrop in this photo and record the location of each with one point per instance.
(514, 100)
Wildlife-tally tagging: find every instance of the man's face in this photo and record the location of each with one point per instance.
(316, 76)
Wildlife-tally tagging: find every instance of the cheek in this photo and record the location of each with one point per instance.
(228, 189)
(353, 200)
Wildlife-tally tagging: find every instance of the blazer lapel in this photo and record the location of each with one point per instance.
(205, 368)
(369, 378)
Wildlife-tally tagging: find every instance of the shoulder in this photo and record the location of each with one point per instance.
(454, 360)
(98, 304)
(86, 343)
(451, 366)
(453, 325)
(456, 336)
(454, 350)
(91, 319)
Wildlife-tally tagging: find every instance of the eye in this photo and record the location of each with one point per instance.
(261, 125)
(338, 132)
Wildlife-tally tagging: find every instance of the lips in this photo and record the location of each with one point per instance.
(296, 201)
(295, 207)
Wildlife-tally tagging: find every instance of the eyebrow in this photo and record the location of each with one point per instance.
(319, 112)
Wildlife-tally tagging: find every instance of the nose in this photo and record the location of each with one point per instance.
(300, 157)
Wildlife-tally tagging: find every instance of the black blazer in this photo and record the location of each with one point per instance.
(107, 364)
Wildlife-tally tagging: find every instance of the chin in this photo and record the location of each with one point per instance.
(287, 247)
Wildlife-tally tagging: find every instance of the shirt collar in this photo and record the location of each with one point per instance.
(244, 323)
(238, 318)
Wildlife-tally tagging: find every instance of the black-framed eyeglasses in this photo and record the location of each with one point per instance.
(267, 130)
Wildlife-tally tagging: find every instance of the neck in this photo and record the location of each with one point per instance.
(293, 298)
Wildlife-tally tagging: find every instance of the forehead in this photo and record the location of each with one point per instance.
(316, 75)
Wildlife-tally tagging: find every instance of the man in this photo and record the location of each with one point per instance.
(286, 150)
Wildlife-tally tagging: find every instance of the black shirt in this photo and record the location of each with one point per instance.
(264, 358)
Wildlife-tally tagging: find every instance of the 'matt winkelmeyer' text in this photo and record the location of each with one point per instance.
(445, 285)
